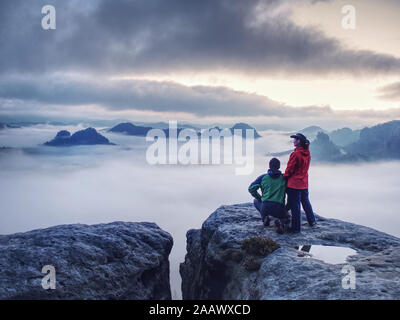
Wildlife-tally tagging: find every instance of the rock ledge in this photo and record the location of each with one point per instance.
(215, 264)
(119, 260)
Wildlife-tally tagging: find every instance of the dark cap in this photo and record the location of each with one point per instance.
(274, 163)
(299, 136)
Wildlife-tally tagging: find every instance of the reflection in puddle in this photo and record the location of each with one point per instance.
(328, 254)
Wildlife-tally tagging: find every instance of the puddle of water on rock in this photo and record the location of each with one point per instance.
(328, 254)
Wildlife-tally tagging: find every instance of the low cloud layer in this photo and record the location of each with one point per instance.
(149, 96)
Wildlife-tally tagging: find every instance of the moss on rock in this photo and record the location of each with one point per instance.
(259, 246)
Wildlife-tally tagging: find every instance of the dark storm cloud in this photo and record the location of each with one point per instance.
(145, 36)
(148, 96)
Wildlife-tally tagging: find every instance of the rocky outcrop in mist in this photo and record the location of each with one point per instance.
(88, 136)
(130, 129)
(119, 260)
(379, 142)
(233, 256)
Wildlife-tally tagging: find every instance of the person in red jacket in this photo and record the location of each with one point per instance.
(296, 174)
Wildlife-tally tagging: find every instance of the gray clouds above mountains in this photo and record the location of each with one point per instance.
(153, 36)
(148, 95)
(168, 97)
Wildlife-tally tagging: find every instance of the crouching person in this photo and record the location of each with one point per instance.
(272, 201)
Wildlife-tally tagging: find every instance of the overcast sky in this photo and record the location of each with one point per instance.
(281, 61)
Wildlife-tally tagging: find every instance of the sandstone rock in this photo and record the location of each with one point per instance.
(119, 260)
(215, 264)
(87, 136)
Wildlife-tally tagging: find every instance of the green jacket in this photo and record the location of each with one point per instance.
(273, 187)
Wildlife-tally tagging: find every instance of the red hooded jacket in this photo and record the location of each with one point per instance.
(297, 169)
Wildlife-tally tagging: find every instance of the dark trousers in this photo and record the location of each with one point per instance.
(295, 197)
(271, 208)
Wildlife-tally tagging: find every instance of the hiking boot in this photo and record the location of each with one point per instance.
(267, 222)
(279, 227)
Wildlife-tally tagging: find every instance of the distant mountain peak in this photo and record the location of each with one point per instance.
(88, 136)
(134, 130)
(130, 129)
(242, 125)
(63, 134)
(245, 126)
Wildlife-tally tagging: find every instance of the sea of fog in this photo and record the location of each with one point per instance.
(45, 186)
